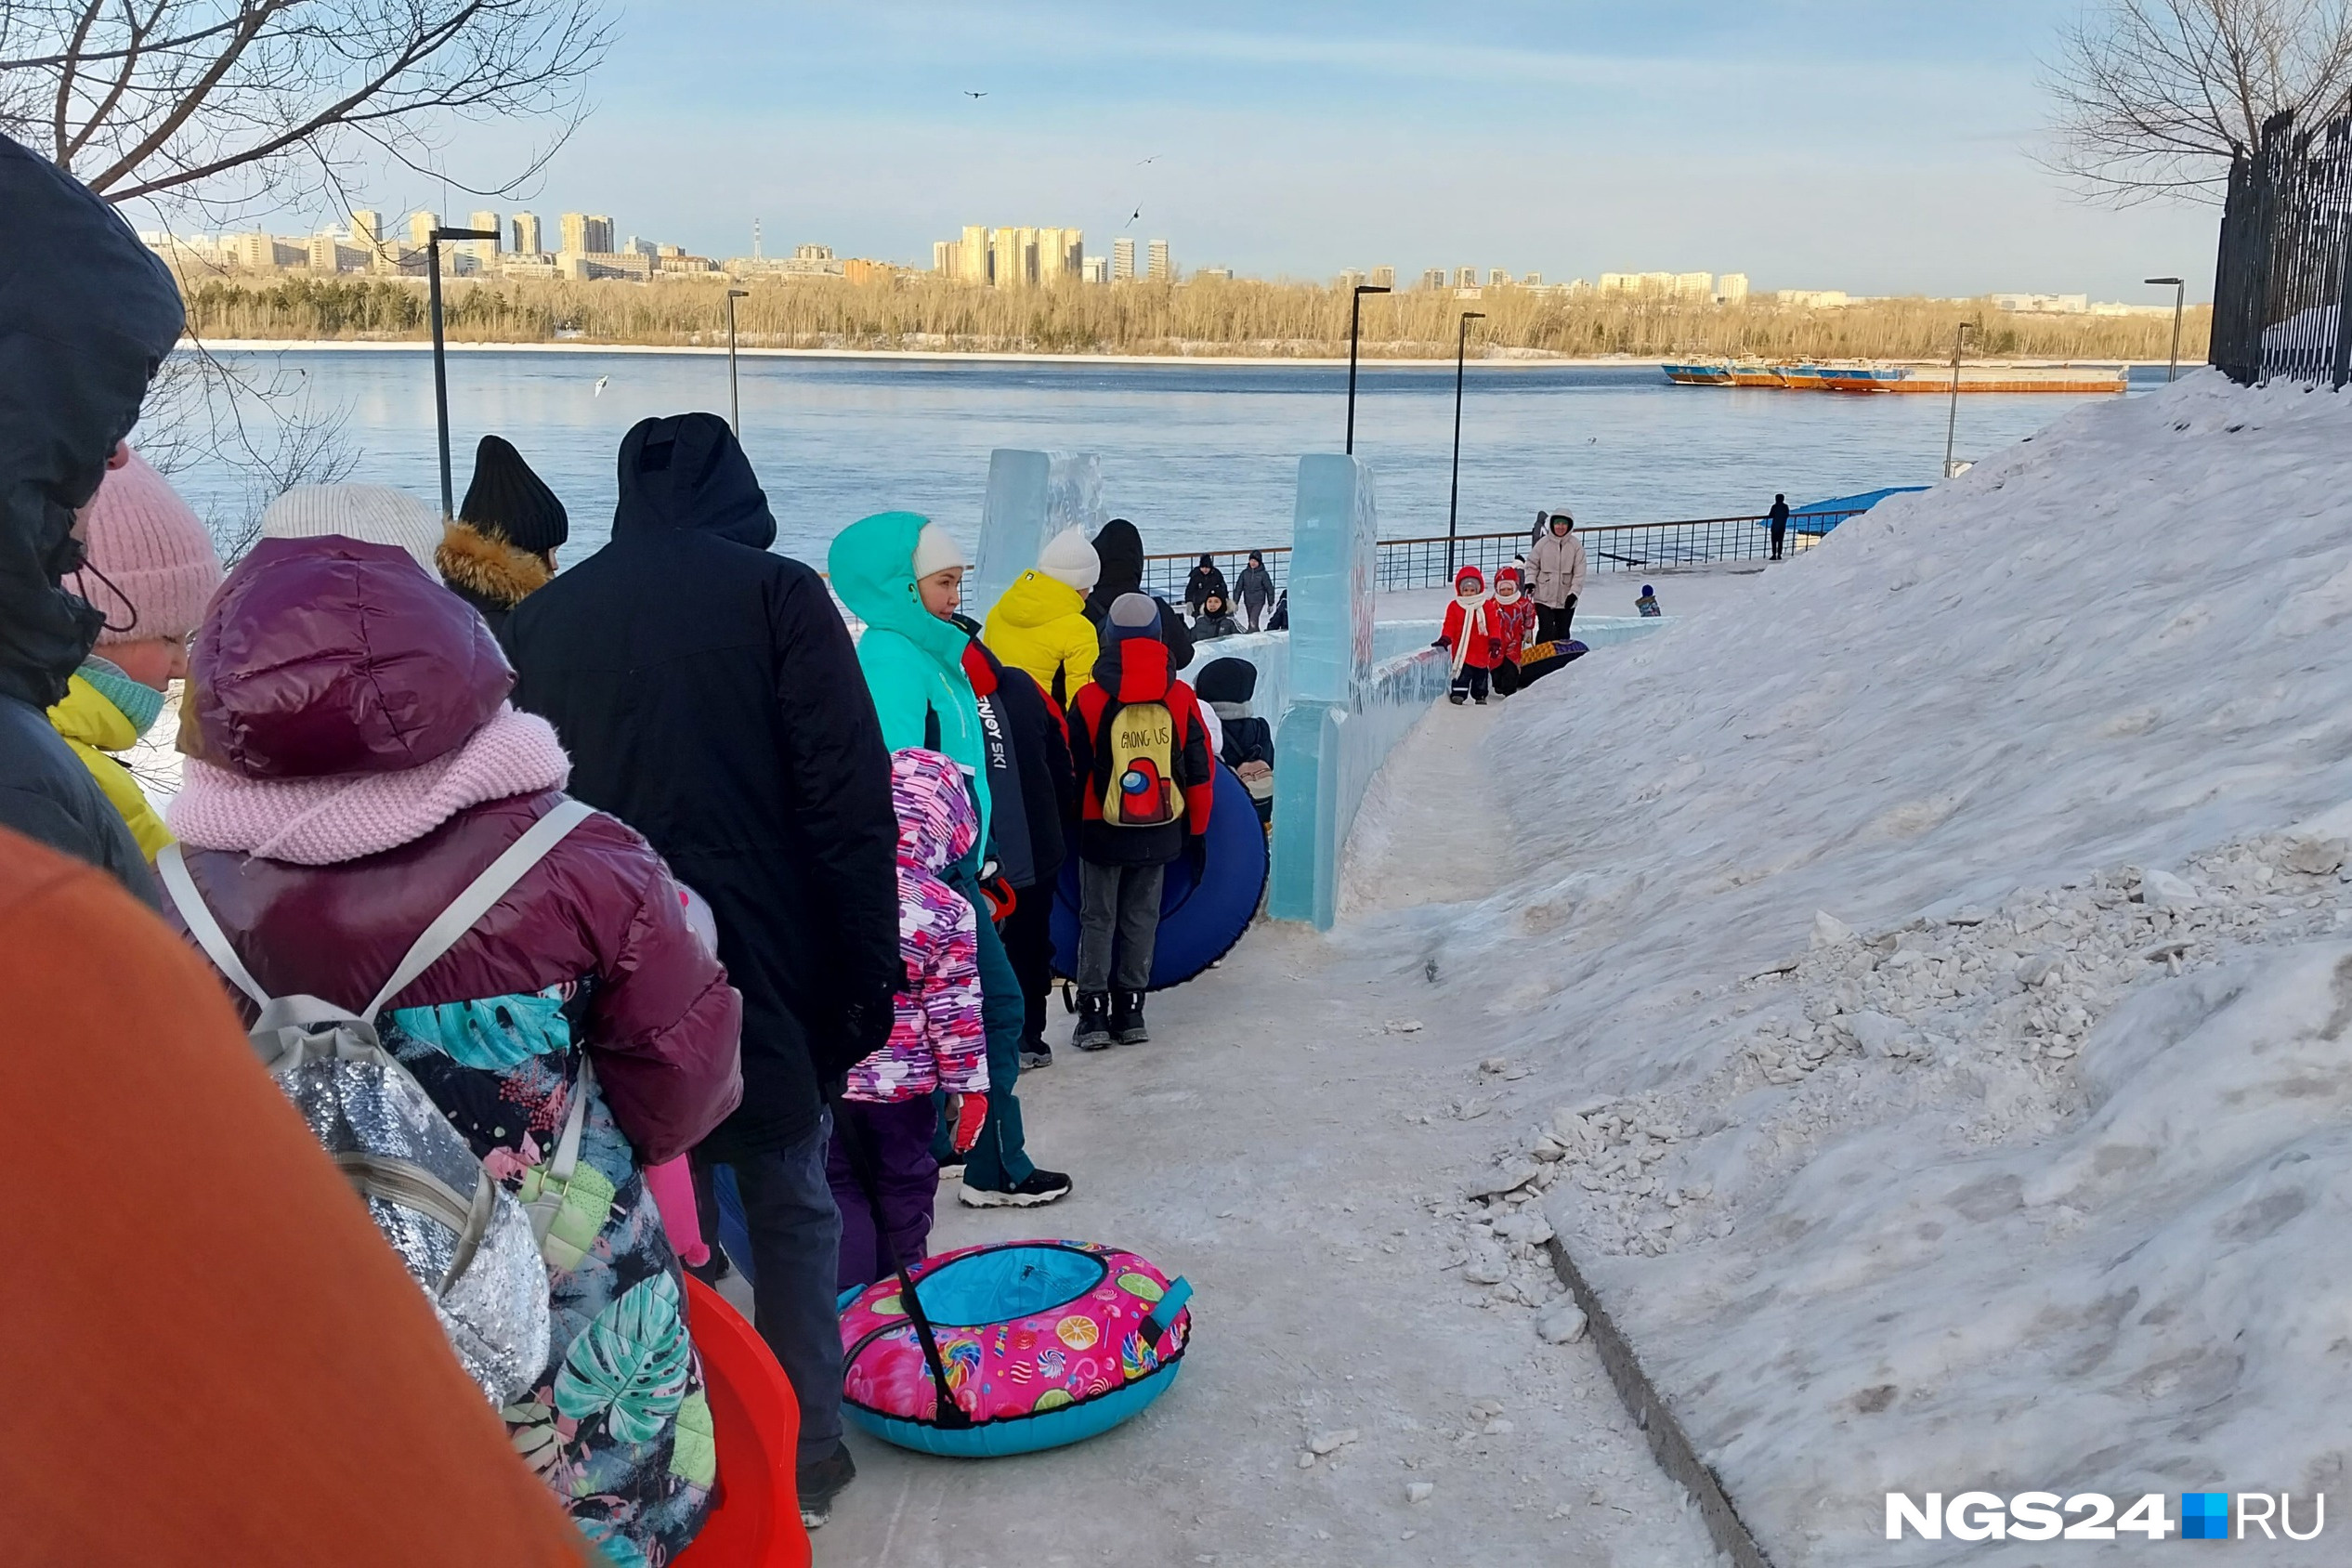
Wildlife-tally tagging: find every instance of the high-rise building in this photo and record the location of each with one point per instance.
(1013, 257)
(587, 233)
(1534, 279)
(489, 221)
(367, 234)
(1435, 277)
(1349, 279)
(942, 258)
(1061, 252)
(1383, 278)
(1122, 261)
(1157, 266)
(1731, 289)
(1466, 277)
(420, 226)
(1097, 270)
(1698, 287)
(526, 236)
(1496, 278)
(971, 254)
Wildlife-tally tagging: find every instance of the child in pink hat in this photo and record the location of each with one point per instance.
(150, 569)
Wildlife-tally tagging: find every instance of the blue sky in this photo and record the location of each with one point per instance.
(1878, 146)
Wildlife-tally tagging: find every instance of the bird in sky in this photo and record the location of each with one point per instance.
(1152, 159)
(1131, 217)
(970, 94)
(600, 386)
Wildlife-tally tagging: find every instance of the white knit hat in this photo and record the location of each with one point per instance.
(1069, 558)
(371, 514)
(936, 550)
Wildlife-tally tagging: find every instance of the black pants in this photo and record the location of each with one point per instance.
(1553, 625)
(1028, 943)
(1506, 678)
(1780, 531)
(1469, 681)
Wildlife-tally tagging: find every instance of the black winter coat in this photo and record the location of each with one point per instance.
(1204, 581)
(1040, 787)
(86, 313)
(710, 697)
(1121, 549)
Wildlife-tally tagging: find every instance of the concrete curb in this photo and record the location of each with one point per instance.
(1668, 1444)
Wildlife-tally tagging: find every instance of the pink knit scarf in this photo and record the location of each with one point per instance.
(325, 821)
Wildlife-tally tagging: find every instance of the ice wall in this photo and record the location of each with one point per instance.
(1032, 496)
(1343, 713)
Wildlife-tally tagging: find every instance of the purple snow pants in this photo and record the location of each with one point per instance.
(906, 1181)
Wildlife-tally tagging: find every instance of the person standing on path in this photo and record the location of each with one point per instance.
(710, 697)
(1040, 624)
(903, 576)
(1556, 567)
(500, 546)
(1146, 773)
(85, 317)
(1254, 589)
(353, 766)
(1779, 515)
(1120, 550)
(1207, 579)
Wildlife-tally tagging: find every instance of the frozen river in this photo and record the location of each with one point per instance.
(1198, 454)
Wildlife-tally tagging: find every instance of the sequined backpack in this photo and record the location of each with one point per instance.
(465, 1240)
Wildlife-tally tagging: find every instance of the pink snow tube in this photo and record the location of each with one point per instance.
(1044, 1343)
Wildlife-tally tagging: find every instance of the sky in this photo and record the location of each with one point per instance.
(1876, 146)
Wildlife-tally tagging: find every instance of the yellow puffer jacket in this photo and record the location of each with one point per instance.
(1041, 626)
(93, 727)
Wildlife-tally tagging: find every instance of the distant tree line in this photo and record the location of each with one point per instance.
(1209, 316)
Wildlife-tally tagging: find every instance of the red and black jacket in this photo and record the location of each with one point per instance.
(1134, 671)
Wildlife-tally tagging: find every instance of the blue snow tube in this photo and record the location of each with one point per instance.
(1199, 921)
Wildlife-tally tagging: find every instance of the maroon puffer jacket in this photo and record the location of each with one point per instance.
(324, 657)
(662, 1024)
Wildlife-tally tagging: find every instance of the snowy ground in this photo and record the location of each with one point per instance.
(2026, 1168)
(1289, 1142)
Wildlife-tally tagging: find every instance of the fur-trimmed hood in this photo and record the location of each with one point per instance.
(490, 572)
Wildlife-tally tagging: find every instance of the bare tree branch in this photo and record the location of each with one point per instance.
(2154, 95)
(226, 104)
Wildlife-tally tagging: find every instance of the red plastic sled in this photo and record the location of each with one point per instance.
(757, 1424)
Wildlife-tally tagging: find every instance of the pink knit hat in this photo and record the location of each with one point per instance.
(152, 568)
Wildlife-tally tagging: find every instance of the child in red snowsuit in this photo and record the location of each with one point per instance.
(1515, 621)
(1473, 637)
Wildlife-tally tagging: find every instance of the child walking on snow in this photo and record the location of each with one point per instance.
(1647, 605)
(1473, 637)
(1514, 624)
(937, 1041)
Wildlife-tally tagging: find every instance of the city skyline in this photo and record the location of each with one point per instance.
(1322, 141)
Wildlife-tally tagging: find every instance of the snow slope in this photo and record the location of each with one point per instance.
(2037, 1176)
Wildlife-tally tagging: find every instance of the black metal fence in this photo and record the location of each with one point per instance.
(2282, 277)
(1421, 563)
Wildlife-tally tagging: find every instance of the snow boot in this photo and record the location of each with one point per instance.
(1035, 1053)
(1457, 697)
(1041, 1187)
(1094, 1022)
(820, 1481)
(1127, 1018)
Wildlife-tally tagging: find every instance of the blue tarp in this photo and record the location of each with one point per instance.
(1820, 516)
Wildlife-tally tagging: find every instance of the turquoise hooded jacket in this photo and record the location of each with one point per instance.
(913, 660)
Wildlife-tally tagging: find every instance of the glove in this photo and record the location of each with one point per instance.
(969, 1109)
(1437, 642)
(1494, 650)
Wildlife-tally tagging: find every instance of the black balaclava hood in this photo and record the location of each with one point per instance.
(1120, 548)
(688, 472)
(1226, 680)
(86, 313)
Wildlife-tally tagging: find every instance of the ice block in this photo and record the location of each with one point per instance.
(1032, 496)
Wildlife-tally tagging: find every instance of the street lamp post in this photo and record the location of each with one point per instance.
(1454, 494)
(1952, 420)
(734, 393)
(1356, 330)
(2180, 297)
(440, 370)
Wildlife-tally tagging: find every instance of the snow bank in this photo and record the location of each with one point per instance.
(2028, 1166)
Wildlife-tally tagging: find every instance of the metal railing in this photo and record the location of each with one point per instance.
(2282, 276)
(1420, 563)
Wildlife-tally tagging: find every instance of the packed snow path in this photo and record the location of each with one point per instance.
(1283, 1143)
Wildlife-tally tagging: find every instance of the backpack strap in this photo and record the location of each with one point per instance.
(172, 869)
(481, 896)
